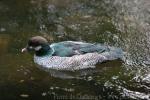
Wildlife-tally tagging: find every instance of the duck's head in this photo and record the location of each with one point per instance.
(37, 44)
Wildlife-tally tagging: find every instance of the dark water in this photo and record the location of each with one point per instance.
(122, 23)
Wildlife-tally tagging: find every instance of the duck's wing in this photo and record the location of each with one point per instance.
(70, 48)
(83, 48)
(62, 50)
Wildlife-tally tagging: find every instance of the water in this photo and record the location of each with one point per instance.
(122, 23)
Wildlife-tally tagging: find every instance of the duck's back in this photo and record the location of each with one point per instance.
(70, 48)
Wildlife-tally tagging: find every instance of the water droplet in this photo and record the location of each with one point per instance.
(44, 94)
(24, 95)
(2, 29)
(21, 81)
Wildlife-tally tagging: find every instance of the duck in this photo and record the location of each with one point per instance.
(70, 55)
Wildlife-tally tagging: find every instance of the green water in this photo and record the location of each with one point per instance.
(117, 23)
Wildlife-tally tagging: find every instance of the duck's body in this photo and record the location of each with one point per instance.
(71, 55)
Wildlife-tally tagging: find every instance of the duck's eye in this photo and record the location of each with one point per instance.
(30, 48)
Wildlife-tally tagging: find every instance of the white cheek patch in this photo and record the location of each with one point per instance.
(37, 48)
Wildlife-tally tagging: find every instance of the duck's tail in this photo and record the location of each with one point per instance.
(114, 53)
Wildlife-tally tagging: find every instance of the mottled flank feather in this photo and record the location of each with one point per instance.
(70, 63)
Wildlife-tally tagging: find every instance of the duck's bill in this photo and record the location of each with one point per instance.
(24, 50)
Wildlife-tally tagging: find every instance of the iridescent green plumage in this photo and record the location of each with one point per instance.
(70, 48)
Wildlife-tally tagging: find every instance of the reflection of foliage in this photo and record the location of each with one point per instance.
(69, 20)
(91, 17)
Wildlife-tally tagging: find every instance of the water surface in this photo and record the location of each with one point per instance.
(120, 23)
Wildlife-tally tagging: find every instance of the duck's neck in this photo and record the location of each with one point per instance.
(45, 50)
